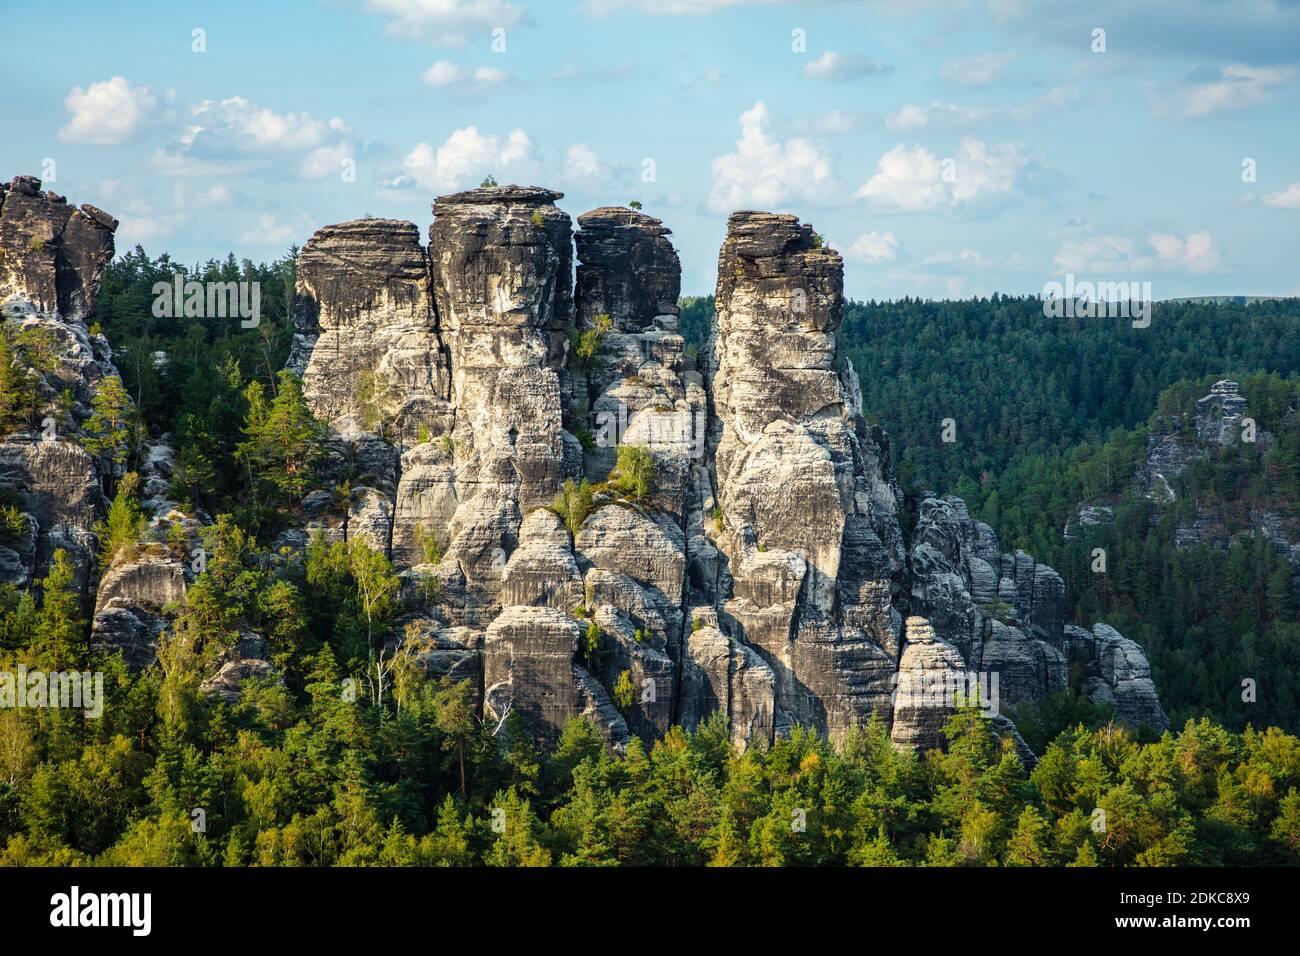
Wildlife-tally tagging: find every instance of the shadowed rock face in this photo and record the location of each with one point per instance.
(765, 576)
(1004, 615)
(51, 253)
(627, 268)
(51, 258)
(377, 358)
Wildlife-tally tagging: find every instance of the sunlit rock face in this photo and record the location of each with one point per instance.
(377, 359)
(52, 255)
(801, 494)
(764, 575)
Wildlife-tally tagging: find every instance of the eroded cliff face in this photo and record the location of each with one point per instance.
(1003, 614)
(1218, 424)
(51, 258)
(805, 516)
(51, 253)
(764, 576)
(764, 573)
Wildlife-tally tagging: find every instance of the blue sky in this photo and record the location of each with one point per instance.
(947, 149)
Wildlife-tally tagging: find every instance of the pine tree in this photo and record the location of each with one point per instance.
(121, 532)
(60, 627)
(18, 392)
(449, 843)
(454, 717)
(284, 441)
(1030, 844)
(518, 831)
(110, 428)
(729, 848)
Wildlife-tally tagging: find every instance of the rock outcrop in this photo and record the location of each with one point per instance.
(805, 513)
(1123, 676)
(130, 600)
(51, 253)
(1004, 615)
(376, 361)
(51, 258)
(760, 571)
(587, 520)
(1219, 414)
(1218, 425)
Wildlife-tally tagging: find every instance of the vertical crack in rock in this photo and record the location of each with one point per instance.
(638, 389)
(373, 368)
(502, 278)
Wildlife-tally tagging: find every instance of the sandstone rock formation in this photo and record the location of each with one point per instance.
(51, 257)
(130, 600)
(805, 514)
(764, 575)
(1218, 423)
(376, 358)
(1219, 414)
(51, 254)
(756, 567)
(1004, 614)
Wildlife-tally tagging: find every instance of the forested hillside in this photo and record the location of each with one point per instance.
(1196, 581)
(1052, 414)
(307, 763)
(189, 378)
(1018, 383)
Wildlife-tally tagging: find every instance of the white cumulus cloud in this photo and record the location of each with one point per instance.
(765, 172)
(271, 231)
(1161, 252)
(978, 176)
(1194, 252)
(444, 74)
(466, 158)
(1288, 198)
(231, 136)
(1205, 92)
(952, 115)
(874, 247)
(445, 22)
(251, 129)
(107, 113)
(581, 162)
(906, 180)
